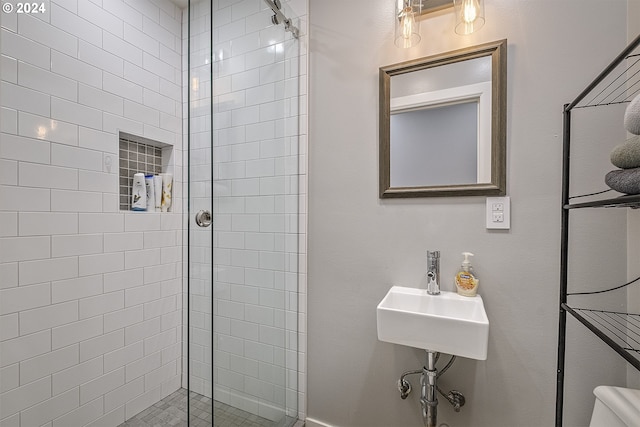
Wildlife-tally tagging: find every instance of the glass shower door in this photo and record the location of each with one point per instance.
(242, 285)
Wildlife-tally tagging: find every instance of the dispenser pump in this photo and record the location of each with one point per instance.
(466, 263)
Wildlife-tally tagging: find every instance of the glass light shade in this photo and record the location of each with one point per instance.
(407, 32)
(469, 15)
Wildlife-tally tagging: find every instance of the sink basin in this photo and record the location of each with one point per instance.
(447, 323)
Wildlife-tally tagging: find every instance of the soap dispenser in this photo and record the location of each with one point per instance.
(466, 280)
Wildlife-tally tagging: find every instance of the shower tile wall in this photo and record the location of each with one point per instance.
(89, 296)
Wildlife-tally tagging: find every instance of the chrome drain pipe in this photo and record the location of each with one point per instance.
(429, 389)
(429, 395)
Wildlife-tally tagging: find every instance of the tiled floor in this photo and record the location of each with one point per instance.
(172, 411)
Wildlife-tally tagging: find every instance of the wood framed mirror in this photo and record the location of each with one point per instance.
(443, 124)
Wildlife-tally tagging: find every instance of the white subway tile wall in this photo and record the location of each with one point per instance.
(90, 297)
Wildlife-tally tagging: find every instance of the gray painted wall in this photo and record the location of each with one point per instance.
(360, 245)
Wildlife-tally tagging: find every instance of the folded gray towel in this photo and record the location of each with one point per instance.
(624, 180)
(627, 156)
(632, 116)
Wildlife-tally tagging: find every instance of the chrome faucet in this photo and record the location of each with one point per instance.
(433, 272)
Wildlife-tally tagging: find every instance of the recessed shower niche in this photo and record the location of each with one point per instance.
(138, 154)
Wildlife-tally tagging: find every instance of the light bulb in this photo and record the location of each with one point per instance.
(407, 28)
(407, 23)
(469, 16)
(470, 12)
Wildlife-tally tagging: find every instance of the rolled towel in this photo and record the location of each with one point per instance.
(624, 180)
(632, 116)
(627, 156)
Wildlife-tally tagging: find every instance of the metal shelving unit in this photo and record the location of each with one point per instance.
(618, 83)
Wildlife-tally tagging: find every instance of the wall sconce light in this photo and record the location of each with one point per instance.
(469, 15)
(407, 27)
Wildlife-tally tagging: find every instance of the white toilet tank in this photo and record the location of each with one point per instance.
(616, 407)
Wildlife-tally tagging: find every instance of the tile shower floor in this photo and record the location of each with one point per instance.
(172, 411)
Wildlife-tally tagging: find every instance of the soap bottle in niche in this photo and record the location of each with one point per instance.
(138, 193)
(466, 280)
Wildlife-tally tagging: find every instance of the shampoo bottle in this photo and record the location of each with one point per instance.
(151, 203)
(157, 191)
(466, 280)
(138, 193)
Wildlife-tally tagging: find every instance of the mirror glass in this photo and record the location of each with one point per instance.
(442, 124)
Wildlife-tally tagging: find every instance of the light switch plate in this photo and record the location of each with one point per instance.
(498, 213)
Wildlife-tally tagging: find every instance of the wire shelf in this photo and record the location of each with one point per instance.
(621, 331)
(620, 88)
(628, 201)
(618, 84)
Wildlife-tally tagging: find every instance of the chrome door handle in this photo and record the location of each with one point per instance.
(203, 218)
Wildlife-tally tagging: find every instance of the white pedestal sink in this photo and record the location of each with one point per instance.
(447, 323)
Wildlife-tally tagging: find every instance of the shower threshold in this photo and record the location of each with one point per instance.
(205, 412)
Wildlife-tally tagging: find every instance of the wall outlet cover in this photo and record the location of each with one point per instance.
(498, 213)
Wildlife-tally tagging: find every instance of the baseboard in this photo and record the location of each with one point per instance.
(310, 422)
